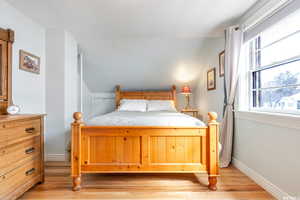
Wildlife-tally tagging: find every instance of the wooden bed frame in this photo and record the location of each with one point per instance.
(144, 149)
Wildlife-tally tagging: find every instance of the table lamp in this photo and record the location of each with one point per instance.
(186, 90)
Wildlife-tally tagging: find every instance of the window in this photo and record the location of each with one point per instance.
(273, 60)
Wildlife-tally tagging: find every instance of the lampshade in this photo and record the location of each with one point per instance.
(186, 90)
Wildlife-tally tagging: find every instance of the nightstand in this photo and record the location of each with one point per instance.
(191, 112)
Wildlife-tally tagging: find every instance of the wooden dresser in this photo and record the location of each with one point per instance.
(21, 154)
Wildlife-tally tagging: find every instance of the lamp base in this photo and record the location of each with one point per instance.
(187, 101)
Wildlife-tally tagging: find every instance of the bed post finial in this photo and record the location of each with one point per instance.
(118, 88)
(174, 95)
(118, 95)
(212, 117)
(77, 117)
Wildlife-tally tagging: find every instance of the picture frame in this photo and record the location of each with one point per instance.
(29, 62)
(222, 63)
(211, 79)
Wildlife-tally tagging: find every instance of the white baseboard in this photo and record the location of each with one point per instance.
(260, 180)
(55, 157)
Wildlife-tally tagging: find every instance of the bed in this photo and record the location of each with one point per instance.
(144, 142)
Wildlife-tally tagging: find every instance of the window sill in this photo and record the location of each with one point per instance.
(275, 119)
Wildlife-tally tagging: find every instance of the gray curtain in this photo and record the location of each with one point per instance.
(233, 46)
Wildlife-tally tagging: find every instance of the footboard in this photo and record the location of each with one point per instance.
(101, 149)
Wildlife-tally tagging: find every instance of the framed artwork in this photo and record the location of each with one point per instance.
(211, 79)
(29, 62)
(222, 63)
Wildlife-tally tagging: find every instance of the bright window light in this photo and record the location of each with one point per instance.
(273, 60)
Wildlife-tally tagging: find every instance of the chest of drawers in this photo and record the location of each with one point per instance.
(21, 154)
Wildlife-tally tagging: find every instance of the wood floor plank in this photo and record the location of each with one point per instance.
(232, 185)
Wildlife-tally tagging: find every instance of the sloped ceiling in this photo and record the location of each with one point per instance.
(137, 43)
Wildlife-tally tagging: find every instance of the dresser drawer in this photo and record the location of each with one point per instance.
(18, 177)
(15, 155)
(12, 132)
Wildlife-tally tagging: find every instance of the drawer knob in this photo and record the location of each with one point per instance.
(30, 150)
(3, 177)
(29, 130)
(29, 172)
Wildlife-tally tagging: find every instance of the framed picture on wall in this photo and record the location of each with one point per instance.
(211, 79)
(29, 62)
(222, 63)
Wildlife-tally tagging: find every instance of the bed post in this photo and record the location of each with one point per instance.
(174, 95)
(212, 150)
(118, 95)
(75, 151)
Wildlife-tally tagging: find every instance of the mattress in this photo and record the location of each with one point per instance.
(130, 118)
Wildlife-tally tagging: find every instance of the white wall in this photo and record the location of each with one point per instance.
(72, 82)
(143, 63)
(28, 88)
(54, 136)
(62, 91)
(211, 100)
(271, 150)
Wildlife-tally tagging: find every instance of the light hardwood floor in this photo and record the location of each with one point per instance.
(232, 185)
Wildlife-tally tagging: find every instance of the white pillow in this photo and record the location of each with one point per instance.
(161, 105)
(133, 105)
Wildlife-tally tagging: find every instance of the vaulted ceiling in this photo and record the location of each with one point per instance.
(136, 37)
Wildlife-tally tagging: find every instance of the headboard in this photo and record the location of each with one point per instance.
(149, 95)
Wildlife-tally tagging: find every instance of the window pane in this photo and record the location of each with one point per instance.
(276, 88)
(251, 50)
(282, 50)
(257, 52)
(286, 26)
(254, 80)
(282, 99)
(284, 75)
(254, 102)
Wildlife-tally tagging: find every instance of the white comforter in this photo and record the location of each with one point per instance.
(123, 118)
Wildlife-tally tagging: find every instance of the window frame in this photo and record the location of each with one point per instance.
(253, 66)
